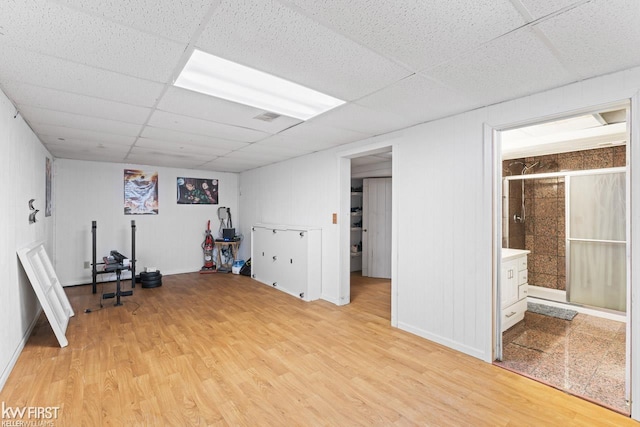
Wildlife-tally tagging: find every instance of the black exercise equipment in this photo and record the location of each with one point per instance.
(115, 263)
(151, 279)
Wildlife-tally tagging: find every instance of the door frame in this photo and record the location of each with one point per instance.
(375, 145)
(493, 156)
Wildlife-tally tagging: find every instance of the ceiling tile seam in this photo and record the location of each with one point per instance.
(84, 95)
(527, 24)
(222, 123)
(177, 69)
(331, 28)
(79, 114)
(522, 10)
(194, 134)
(119, 23)
(29, 105)
(82, 64)
(77, 128)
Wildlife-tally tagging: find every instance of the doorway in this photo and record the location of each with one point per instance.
(565, 201)
(359, 168)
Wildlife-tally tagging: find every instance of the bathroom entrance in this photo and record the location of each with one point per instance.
(564, 207)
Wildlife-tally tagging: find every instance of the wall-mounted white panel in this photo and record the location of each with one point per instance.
(43, 278)
(288, 258)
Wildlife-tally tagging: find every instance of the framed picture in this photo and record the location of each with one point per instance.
(140, 192)
(197, 191)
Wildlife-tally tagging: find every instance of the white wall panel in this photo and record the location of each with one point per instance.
(22, 173)
(170, 241)
(443, 195)
(301, 191)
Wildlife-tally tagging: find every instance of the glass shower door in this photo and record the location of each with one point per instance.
(596, 240)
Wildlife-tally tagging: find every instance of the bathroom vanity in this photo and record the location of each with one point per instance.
(513, 295)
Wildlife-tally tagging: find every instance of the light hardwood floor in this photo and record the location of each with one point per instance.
(225, 350)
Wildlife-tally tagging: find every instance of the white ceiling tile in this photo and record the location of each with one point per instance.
(249, 155)
(78, 150)
(189, 103)
(34, 96)
(155, 133)
(597, 37)
(266, 153)
(87, 39)
(181, 148)
(51, 133)
(267, 36)
(540, 8)
(224, 166)
(509, 67)
(45, 71)
(87, 146)
(182, 123)
(89, 156)
(314, 137)
(149, 156)
(417, 99)
(366, 121)
(58, 118)
(173, 19)
(418, 33)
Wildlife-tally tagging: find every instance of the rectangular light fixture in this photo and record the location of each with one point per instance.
(211, 75)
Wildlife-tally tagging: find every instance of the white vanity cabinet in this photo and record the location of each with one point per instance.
(513, 286)
(287, 258)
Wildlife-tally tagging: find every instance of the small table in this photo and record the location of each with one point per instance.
(234, 252)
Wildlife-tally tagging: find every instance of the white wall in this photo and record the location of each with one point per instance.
(88, 191)
(22, 173)
(300, 192)
(443, 191)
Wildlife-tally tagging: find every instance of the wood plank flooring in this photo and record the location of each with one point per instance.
(226, 350)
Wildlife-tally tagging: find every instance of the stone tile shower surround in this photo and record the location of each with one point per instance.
(543, 230)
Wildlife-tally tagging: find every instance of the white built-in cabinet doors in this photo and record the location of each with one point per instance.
(288, 258)
(376, 228)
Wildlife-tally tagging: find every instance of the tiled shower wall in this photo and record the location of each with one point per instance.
(543, 229)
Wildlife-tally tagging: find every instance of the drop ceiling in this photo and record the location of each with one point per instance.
(94, 79)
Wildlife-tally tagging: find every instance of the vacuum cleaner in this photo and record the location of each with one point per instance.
(207, 248)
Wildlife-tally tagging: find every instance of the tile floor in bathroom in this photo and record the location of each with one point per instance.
(584, 356)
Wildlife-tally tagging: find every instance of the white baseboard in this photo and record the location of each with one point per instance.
(14, 358)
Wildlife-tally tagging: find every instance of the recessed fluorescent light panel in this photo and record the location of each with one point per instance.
(211, 75)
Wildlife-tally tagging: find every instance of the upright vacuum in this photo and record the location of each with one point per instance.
(207, 248)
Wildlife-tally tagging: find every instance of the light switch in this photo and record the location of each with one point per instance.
(335, 218)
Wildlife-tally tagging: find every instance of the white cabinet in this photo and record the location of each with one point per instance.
(513, 286)
(288, 258)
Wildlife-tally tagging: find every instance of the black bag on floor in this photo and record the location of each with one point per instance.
(246, 268)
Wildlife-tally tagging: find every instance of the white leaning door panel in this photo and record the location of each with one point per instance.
(47, 287)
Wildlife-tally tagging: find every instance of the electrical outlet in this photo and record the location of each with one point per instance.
(87, 264)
